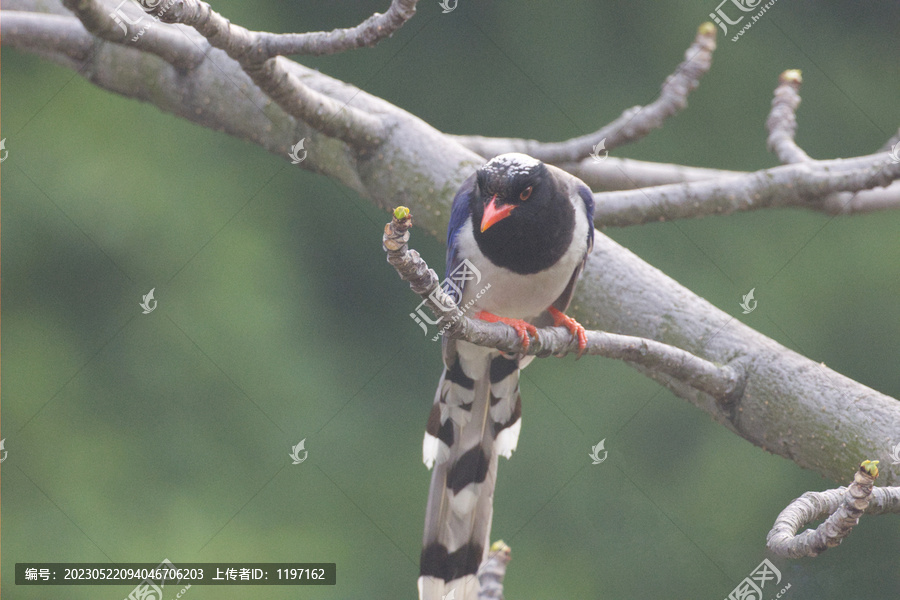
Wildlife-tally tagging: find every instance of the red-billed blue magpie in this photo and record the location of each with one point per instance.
(526, 228)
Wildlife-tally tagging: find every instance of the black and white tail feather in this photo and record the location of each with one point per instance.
(476, 417)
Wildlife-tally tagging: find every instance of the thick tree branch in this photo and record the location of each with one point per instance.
(801, 185)
(170, 44)
(841, 508)
(63, 38)
(634, 124)
(790, 405)
(719, 381)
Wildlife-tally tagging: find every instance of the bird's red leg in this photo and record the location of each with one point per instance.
(522, 328)
(576, 328)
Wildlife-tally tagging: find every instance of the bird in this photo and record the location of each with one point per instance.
(525, 228)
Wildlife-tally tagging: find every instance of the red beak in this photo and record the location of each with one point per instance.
(494, 214)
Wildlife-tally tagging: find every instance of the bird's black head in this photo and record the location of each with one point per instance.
(521, 218)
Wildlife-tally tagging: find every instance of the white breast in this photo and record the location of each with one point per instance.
(509, 294)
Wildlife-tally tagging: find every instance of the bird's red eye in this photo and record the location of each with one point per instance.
(526, 193)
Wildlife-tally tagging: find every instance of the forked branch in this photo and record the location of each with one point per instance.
(782, 127)
(841, 508)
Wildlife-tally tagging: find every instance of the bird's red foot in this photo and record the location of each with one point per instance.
(522, 328)
(574, 327)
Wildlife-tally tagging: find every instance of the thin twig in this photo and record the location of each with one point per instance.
(633, 124)
(842, 506)
(368, 33)
(493, 570)
(719, 381)
(782, 121)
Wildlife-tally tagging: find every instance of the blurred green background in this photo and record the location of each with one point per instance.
(134, 438)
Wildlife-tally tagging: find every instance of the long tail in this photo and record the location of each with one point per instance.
(476, 417)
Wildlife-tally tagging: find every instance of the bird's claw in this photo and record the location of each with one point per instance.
(523, 328)
(574, 327)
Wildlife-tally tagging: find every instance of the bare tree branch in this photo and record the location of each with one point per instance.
(335, 119)
(782, 126)
(222, 97)
(368, 33)
(801, 185)
(627, 173)
(62, 37)
(789, 404)
(719, 381)
(167, 42)
(842, 506)
(634, 124)
(782, 121)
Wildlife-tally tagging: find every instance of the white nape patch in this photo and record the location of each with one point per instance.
(430, 447)
(508, 439)
(512, 163)
(463, 503)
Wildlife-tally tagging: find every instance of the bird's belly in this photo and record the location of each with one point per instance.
(509, 294)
